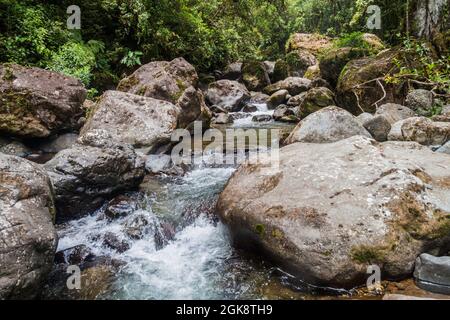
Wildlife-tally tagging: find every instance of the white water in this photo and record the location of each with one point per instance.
(247, 121)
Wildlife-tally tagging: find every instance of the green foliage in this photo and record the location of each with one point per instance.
(132, 58)
(74, 59)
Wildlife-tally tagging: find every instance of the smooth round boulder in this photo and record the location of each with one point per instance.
(329, 124)
(28, 238)
(329, 211)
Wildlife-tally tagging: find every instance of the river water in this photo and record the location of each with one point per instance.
(199, 261)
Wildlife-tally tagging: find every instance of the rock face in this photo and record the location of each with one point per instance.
(421, 101)
(230, 95)
(293, 85)
(27, 238)
(85, 175)
(433, 273)
(334, 61)
(36, 103)
(161, 80)
(363, 203)
(133, 119)
(254, 75)
(421, 130)
(327, 125)
(359, 79)
(314, 100)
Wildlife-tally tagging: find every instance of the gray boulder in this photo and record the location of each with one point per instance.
(395, 112)
(378, 127)
(228, 94)
(433, 273)
(37, 103)
(27, 239)
(293, 85)
(328, 211)
(277, 98)
(87, 174)
(140, 121)
(327, 125)
(421, 130)
(421, 101)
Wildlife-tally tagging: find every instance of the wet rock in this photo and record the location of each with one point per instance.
(293, 85)
(329, 124)
(433, 273)
(111, 241)
(233, 71)
(227, 94)
(164, 234)
(277, 98)
(282, 111)
(421, 130)
(334, 61)
(16, 148)
(84, 176)
(128, 118)
(298, 61)
(76, 255)
(62, 142)
(421, 101)
(137, 228)
(217, 109)
(258, 97)
(28, 238)
(314, 43)
(161, 80)
(223, 118)
(314, 100)
(378, 127)
(33, 108)
(363, 203)
(119, 207)
(445, 148)
(395, 112)
(254, 75)
(157, 163)
(262, 118)
(249, 108)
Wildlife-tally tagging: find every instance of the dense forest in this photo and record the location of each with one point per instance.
(116, 36)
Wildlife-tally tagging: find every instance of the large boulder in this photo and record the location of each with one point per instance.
(27, 235)
(314, 100)
(421, 101)
(293, 85)
(90, 172)
(362, 87)
(331, 210)
(333, 62)
(314, 43)
(140, 121)
(228, 94)
(36, 103)
(280, 71)
(299, 61)
(329, 124)
(254, 75)
(161, 80)
(421, 130)
(233, 71)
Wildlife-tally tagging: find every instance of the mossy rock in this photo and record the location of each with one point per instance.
(298, 62)
(314, 100)
(280, 71)
(254, 75)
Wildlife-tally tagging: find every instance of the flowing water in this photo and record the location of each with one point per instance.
(198, 262)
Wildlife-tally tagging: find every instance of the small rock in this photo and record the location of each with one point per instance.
(378, 127)
(111, 241)
(262, 118)
(137, 227)
(74, 255)
(283, 111)
(249, 108)
(223, 118)
(258, 97)
(293, 85)
(433, 273)
(395, 112)
(119, 207)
